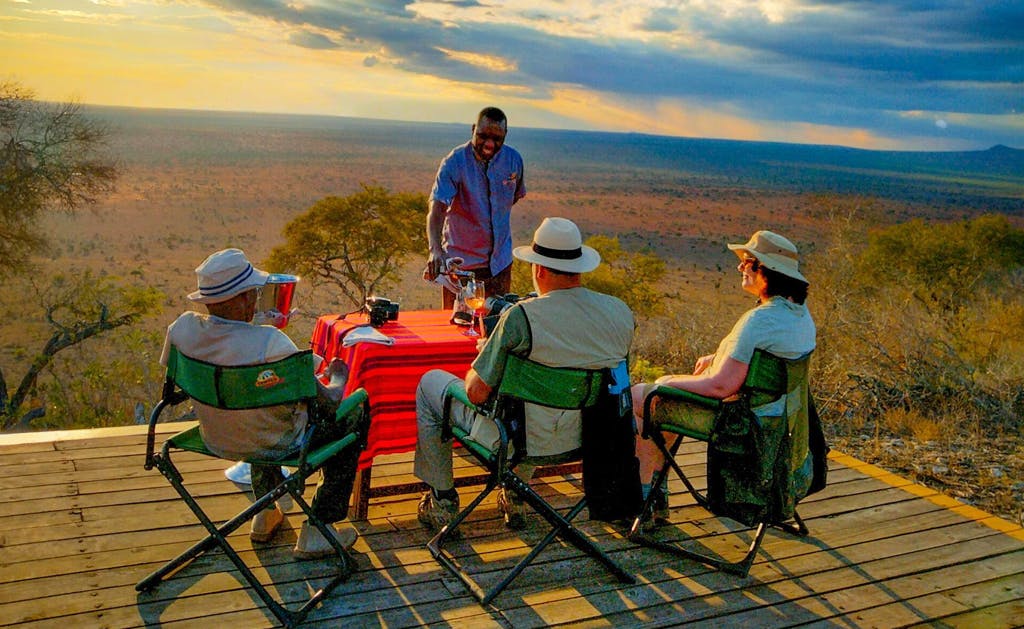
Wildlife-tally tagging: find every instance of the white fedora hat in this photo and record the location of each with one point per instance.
(557, 244)
(225, 274)
(773, 251)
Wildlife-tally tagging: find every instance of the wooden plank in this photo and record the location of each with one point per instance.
(1007, 614)
(21, 472)
(89, 435)
(737, 602)
(957, 591)
(45, 491)
(872, 545)
(44, 571)
(10, 463)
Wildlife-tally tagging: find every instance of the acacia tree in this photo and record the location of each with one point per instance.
(357, 243)
(631, 276)
(75, 308)
(52, 157)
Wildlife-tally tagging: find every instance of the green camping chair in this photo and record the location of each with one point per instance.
(524, 381)
(235, 388)
(760, 459)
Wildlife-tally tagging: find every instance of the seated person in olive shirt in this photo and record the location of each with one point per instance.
(567, 325)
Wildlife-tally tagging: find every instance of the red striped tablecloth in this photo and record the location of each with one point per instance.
(424, 340)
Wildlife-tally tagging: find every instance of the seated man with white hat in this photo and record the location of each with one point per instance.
(228, 285)
(567, 325)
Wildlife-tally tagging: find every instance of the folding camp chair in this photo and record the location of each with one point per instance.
(286, 381)
(524, 381)
(761, 489)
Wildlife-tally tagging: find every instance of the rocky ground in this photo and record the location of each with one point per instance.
(988, 474)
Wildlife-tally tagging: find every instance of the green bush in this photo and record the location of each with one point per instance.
(943, 264)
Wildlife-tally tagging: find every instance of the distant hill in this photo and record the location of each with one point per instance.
(989, 180)
(993, 178)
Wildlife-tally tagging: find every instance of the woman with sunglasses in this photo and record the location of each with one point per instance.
(779, 324)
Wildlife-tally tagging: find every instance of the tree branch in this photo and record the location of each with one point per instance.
(62, 338)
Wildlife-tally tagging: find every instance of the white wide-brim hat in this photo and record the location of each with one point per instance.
(225, 274)
(557, 244)
(773, 251)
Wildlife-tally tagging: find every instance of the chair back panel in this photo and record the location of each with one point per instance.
(770, 378)
(284, 381)
(766, 378)
(555, 387)
(797, 414)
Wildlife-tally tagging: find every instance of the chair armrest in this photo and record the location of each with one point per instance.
(672, 393)
(456, 392)
(357, 398)
(459, 393)
(679, 395)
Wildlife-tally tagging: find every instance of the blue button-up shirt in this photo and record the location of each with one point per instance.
(479, 198)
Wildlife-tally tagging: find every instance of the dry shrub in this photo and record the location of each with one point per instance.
(895, 350)
(672, 343)
(911, 423)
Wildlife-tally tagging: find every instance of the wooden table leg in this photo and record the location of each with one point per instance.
(361, 494)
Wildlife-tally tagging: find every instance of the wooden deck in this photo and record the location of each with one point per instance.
(81, 522)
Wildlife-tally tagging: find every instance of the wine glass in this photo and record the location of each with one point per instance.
(473, 293)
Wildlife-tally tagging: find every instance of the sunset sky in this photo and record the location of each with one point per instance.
(888, 74)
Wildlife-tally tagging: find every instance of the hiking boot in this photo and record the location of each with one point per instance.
(436, 513)
(511, 509)
(313, 545)
(265, 524)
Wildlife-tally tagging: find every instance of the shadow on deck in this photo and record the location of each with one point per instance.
(81, 522)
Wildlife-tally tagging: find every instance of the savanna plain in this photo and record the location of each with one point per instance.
(191, 183)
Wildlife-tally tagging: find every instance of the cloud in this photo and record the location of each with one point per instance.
(315, 41)
(853, 66)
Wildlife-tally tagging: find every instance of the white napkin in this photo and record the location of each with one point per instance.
(366, 334)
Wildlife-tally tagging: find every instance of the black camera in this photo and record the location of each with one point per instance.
(381, 310)
(497, 304)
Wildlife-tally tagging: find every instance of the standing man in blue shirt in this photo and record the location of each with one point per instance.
(470, 206)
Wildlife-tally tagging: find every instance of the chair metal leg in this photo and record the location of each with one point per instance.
(217, 537)
(669, 457)
(797, 528)
(740, 567)
(446, 559)
(347, 563)
(560, 526)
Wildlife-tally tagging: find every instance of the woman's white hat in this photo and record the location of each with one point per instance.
(773, 251)
(557, 244)
(225, 274)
